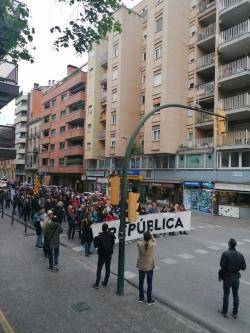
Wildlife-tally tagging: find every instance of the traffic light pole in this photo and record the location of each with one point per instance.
(122, 228)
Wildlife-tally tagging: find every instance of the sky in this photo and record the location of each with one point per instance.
(49, 64)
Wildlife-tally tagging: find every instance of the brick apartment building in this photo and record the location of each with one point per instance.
(61, 153)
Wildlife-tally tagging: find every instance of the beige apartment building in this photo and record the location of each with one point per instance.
(182, 51)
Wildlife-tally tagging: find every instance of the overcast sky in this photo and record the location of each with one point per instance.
(49, 64)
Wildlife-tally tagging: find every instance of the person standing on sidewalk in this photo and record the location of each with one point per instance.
(52, 235)
(146, 265)
(231, 263)
(105, 243)
(47, 219)
(87, 234)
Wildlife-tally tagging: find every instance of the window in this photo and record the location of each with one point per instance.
(63, 97)
(53, 102)
(157, 80)
(53, 132)
(246, 159)
(225, 159)
(142, 99)
(190, 136)
(181, 161)
(113, 142)
(115, 51)
(63, 113)
(114, 74)
(191, 84)
(156, 134)
(52, 147)
(144, 56)
(114, 95)
(195, 161)
(144, 35)
(53, 118)
(143, 78)
(89, 128)
(190, 113)
(171, 162)
(234, 160)
(52, 163)
(191, 58)
(61, 161)
(62, 145)
(62, 129)
(144, 13)
(113, 118)
(90, 110)
(158, 52)
(159, 24)
(192, 31)
(88, 146)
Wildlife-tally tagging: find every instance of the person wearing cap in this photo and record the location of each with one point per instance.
(231, 263)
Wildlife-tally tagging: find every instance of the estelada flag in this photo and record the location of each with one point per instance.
(36, 186)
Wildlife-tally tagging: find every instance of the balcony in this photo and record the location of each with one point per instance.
(101, 136)
(198, 143)
(74, 133)
(45, 126)
(104, 79)
(237, 107)
(19, 161)
(21, 129)
(235, 139)
(104, 60)
(20, 150)
(74, 150)
(78, 97)
(205, 91)
(205, 65)
(74, 116)
(235, 75)
(233, 11)
(8, 83)
(102, 117)
(20, 140)
(20, 119)
(63, 169)
(234, 42)
(205, 7)
(103, 98)
(204, 121)
(206, 37)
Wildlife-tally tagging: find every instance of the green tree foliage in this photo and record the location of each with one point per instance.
(93, 22)
(16, 35)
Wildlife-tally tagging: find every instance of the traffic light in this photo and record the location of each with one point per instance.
(133, 206)
(221, 122)
(114, 190)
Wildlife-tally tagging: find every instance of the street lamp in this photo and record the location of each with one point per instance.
(125, 166)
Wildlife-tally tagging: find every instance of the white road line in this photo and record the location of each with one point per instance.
(245, 282)
(216, 248)
(77, 249)
(201, 251)
(246, 240)
(210, 226)
(218, 226)
(223, 244)
(129, 275)
(193, 228)
(201, 227)
(240, 243)
(185, 256)
(169, 261)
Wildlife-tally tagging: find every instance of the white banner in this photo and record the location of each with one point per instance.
(156, 223)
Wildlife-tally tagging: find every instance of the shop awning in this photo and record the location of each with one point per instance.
(232, 187)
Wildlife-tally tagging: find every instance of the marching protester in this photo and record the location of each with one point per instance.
(87, 235)
(231, 263)
(104, 243)
(46, 220)
(37, 225)
(146, 265)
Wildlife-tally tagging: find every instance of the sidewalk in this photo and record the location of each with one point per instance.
(35, 300)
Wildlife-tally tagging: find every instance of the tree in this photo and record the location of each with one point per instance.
(94, 19)
(15, 33)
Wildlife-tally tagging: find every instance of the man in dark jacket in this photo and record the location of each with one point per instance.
(105, 243)
(231, 263)
(52, 233)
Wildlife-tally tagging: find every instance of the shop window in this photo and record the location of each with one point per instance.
(234, 160)
(246, 159)
(224, 159)
(181, 161)
(195, 161)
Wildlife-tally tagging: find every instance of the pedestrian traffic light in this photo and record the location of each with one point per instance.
(114, 190)
(133, 206)
(221, 122)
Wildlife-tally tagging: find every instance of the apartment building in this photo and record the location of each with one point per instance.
(61, 154)
(7, 170)
(21, 113)
(33, 131)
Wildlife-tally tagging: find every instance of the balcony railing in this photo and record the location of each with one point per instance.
(235, 67)
(103, 97)
(235, 138)
(204, 5)
(227, 3)
(235, 32)
(235, 102)
(206, 60)
(205, 89)
(206, 32)
(203, 117)
(198, 143)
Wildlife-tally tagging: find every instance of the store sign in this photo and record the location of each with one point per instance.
(192, 184)
(102, 180)
(207, 185)
(232, 187)
(91, 178)
(95, 173)
(156, 223)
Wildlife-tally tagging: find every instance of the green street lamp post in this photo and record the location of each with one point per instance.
(122, 228)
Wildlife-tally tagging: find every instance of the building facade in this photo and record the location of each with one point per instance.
(21, 113)
(7, 170)
(174, 55)
(61, 153)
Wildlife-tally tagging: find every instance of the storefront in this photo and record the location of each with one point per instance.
(198, 196)
(233, 200)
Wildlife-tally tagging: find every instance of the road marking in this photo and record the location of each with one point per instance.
(5, 324)
(129, 275)
(77, 249)
(201, 227)
(246, 240)
(245, 282)
(193, 228)
(218, 226)
(223, 244)
(216, 248)
(240, 243)
(185, 256)
(210, 226)
(169, 261)
(201, 251)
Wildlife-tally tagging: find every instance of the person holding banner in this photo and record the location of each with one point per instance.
(146, 265)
